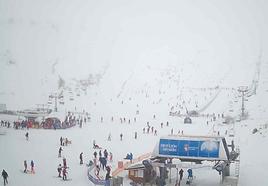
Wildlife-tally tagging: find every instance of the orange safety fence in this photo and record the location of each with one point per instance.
(125, 165)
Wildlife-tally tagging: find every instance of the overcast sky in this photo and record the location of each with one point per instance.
(81, 36)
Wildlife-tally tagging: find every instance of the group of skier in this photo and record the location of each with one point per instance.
(32, 167)
(101, 159)
(62, 169)
(189, 178)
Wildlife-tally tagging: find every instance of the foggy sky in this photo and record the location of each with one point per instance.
(82, 36)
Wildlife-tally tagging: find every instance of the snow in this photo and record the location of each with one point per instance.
(149, 57)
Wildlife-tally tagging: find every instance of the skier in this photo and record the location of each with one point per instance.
(105, 154)
(161, 125)
(190, 173)
(61, 141)
(64, 162)
(100, 154)
(81, 158)
(59, 170)
(181, 174)
(80, 123)
(60, 150)
(95, 154)
(94, 144)
(131, 157)
(121, 136)
(32, 167)
(5, 175)
(155, 132)
(111, 157)
(97, 170)
(109, 137)
(64, 173)
(25, 166)
(136, 135)
(108, 169)
(27, 136)
(66, 141)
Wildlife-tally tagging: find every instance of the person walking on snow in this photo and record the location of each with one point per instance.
(25, 166)
(5, 175)
(105, 154)
(60, 150)
(95, 154)
(109, 137)
(181, 174)
(111, 157)
(81, 158)
(27, 136)
(64, 173)
(121, 137)
(64, 162)
(61, 141)
(32, 167)
(59, 170)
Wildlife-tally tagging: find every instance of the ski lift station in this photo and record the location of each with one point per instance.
(190, 152)
(192, 148)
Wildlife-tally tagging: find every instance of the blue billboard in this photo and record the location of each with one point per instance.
(189, 148)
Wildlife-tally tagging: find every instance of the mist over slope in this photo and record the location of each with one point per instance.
(207, 44)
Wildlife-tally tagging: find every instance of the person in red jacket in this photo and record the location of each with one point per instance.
(64, 173)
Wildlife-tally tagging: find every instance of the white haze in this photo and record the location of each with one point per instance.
(218, 40)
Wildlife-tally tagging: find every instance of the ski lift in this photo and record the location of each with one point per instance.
(71, 98)
(61, 102)
(50, 99)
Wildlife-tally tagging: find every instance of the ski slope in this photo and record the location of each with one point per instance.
(148, 56)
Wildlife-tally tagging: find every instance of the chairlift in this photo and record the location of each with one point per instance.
(71, 99)
(61, 102)
(49, 102)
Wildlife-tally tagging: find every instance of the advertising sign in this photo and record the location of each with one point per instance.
(190, 148)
